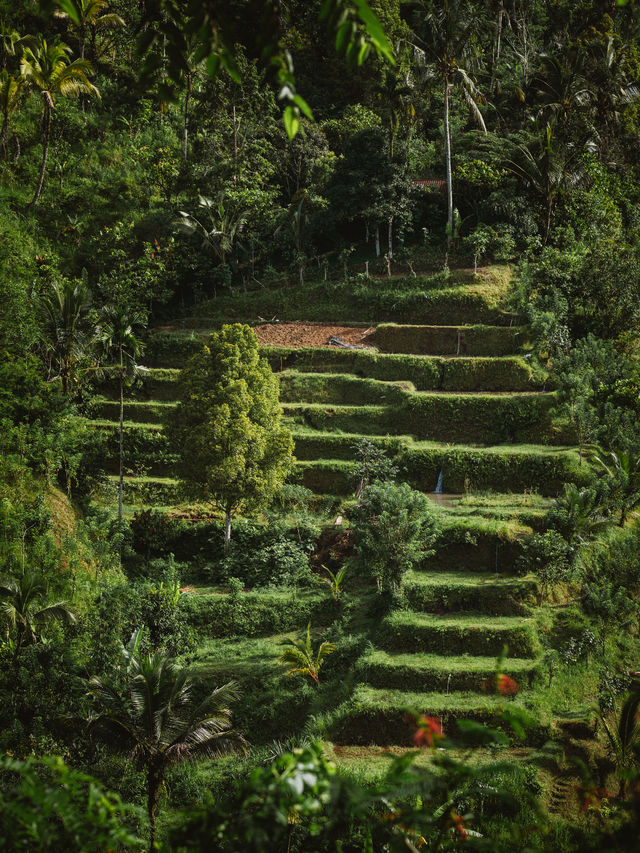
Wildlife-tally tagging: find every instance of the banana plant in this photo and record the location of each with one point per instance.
(302, 659)
(334, 581)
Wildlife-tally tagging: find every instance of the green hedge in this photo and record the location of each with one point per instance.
(501, 469)
(443, 339)
(157, 383)
(475, 418)
(378, 716)
(470, 418)
(143, 448)
(337, 388)
(151, 491)
(476, 545)
(405, 631)
(255, 613)
(136, 411)
(172, 349)
(498, 596)
(432, 672)
(325, 477)
(425, 373)
(310, 446)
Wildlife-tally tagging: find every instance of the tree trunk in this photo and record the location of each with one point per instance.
(227, 529)
(185, 129)
(447, 148)
(377, 241)
(154, 780)
(366, 231)
(121, 448)
(46, 132)
(390, 237)
(4, 133)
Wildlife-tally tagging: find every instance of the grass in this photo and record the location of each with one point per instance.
(457, 633)
(426, 299)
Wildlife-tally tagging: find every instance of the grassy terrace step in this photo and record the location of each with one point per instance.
(146, 412)
(464, 591)
(374, 716)
(434, 672)
(459, 418)
(450, 339)
(454, 634)
(424, 372)
(149, 491)
(456, 297)
(153, 383)
(326, 460)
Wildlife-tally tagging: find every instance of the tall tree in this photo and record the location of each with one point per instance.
(226, 429)
(48, 70)
(87, 17)
(153, 716)
(447, 40)
(122, 346)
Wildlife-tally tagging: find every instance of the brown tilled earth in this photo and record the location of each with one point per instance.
(311, 334)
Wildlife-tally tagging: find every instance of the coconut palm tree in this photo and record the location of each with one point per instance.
(68, 335)
(153, 717)
(624, 469)
(219, 233)
(47, 69)
(24, 607)
(118, 337)
(302, 659)
(88, 16)
(10, 94)
(446, 36)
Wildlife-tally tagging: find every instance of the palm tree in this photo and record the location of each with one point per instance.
(301, 656)
(48, 70)
(88, 15)
(219, 233)
(560, 86)
(10, 92)
(450, 40)
(65, 306)
(24, 606)
(624, 468)
(120, 342)
(154, 718)
(548, 168)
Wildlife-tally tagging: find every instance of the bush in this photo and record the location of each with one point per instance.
(393, 530)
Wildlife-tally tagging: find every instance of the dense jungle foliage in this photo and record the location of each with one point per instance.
(228, 624)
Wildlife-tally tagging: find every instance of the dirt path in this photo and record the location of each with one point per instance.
(311, 334)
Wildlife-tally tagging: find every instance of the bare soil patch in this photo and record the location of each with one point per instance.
(312, 334)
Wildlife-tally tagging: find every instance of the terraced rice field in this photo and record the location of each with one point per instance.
(461, 400)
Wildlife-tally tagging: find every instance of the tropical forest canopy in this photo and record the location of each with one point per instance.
(271, 273)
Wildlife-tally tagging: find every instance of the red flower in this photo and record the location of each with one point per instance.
(428, 730)
(503, 684)
(458, 826)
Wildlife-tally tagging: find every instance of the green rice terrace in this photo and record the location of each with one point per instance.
(455, 402)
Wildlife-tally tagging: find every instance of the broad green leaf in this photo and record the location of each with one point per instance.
(291, 121)
(303, 105)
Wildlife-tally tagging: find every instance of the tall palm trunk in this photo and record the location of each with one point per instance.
(377, 241)
(4, 134)
(46, 134)
(154, 781)
(185, 127)
(120, 474)
(227, 529)
(447, 148)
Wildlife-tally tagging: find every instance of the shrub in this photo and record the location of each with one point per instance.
(394, 527)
